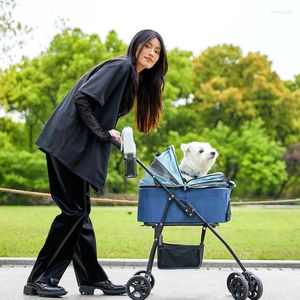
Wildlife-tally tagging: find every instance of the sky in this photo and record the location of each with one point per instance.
(270, 27)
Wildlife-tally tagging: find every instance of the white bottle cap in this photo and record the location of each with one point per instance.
(128, 144)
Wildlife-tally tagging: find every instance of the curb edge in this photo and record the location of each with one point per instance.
(208, 263)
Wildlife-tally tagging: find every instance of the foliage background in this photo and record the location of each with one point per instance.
(231, 99)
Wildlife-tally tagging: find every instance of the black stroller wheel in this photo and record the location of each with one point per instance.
(255, 286)
(151, 279)
(230, 278)
(138, 287)
(238, 286)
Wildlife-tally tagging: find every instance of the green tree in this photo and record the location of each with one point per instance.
(232, 88)
(22, 92)
(21, 169)
(15, 131)
(290, 187)
(12, 32)
(293, 85)
(114, 46)
(35, 87)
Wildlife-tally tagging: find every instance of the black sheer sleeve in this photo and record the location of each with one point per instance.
(85, 106)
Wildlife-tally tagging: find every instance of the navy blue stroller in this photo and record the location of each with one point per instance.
(166, 199)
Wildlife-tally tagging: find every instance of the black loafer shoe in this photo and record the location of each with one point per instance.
(43, 289)
(106, 286)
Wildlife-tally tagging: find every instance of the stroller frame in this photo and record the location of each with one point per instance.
(240, 285)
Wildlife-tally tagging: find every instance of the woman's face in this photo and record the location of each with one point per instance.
(148, 55)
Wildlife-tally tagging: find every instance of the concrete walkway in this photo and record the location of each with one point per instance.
(207, 283)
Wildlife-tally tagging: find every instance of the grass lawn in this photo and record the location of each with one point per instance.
(253, 233)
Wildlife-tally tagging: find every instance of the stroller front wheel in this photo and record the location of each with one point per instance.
(238, 286)
(138, 287)
(230, 278)
(151, 279)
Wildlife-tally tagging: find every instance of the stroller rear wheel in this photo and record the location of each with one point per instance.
(151, 279)
(238, 286)
(138, 287)
(255, 286)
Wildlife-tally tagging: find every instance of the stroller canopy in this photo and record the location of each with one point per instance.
(165, 168)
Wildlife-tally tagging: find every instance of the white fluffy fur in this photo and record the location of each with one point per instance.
(198, 158)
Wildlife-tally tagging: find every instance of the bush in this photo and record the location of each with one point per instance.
(21, 169)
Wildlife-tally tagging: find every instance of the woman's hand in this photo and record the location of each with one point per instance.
(115, 134)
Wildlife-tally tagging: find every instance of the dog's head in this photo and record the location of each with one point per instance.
(198, 158)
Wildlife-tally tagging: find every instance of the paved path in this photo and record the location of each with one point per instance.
(204, 284)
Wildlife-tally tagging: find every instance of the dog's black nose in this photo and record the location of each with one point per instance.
(213, 153)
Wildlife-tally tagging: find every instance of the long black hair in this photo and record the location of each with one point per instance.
(147, 86)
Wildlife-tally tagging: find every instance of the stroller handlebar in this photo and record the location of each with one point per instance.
(127, 147)
(116, 144)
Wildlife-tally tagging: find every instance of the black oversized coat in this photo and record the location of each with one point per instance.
(68, 139)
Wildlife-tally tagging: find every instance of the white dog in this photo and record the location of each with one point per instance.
(197, 160)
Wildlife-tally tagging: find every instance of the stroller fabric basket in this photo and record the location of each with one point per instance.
(212, 203)
(209, 194)
(174, 256)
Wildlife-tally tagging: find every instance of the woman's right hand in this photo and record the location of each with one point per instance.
(115, 134)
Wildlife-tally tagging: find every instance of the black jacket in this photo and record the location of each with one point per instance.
(68, 139)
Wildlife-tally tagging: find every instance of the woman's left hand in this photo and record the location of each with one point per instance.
(115, 134)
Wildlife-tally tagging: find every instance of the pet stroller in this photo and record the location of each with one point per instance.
(166, 199)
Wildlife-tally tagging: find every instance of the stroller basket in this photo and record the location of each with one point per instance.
(212, 203)
(173, 256)
(209, 194)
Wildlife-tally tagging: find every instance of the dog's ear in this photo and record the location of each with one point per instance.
(184, 147)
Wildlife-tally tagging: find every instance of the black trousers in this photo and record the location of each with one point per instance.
(71, 236)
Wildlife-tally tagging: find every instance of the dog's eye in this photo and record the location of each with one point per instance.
(201, 151)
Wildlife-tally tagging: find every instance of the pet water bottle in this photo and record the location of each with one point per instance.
(129, 151)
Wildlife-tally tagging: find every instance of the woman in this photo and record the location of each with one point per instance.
(77, 140)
